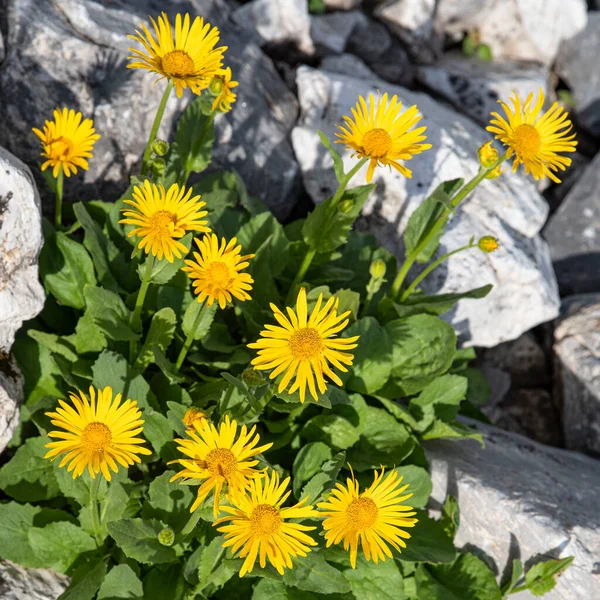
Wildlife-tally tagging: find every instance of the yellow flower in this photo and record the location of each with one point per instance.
(488, 155)
(163, 216)
(189, 60)
(193, 415)
(219, 459)
(535, 139)
(372, 518)
(67, 142)
(221, 86)
(259, 526)
(99, 433)
(488, 243)
(215, 273)
(304, 346)
(383, 134)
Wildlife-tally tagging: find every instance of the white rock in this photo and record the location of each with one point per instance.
(520, 499)
(347, 64)
(342, 4)
(18, 583)
(515, 29)
(509, 208)
(331, 32)
(21, 294)
(11, 397)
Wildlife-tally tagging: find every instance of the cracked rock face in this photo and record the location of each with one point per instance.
(18, 583)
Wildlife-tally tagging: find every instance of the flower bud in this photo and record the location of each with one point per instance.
(488, 155)
(193, 415)
(158, 167)
(346, 206)
(166, 537)
(252, 377)
(216, 85)
(377, 269)
(488, 243)
(160, 147)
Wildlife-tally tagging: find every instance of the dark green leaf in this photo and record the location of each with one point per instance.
(161, 332)
(338, 165)
(515, 577)
(109, 313)
(333, 430)
(195, 137)
(157, 430)
(308, 463)
(17, 520)
(59, 345)
(541, 578)
(121, 582)
(450, 519)
(312, 573)
(189, 318)
(428, 542)
(419, 483)
(139, 540)
(163, 270)
(439, 400)
(369, 581)
(325, 480)
(88, 336)
(454, 431)
(86, 581)
(168, 501)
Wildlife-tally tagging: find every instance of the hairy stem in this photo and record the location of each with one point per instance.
(157, 120)
(59, 199)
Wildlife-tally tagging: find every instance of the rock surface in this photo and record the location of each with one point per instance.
(509, 208)
(18, 583)
(11, 397)
(573, 234)
(519, 499)
(331, 32)
(342, 4)
(577, 351)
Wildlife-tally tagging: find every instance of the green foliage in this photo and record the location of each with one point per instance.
(194, 137)
(541, 578)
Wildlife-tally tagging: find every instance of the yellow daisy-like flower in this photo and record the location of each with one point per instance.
(189, 60)
(221, 86)
(260, 527)
(163, 216)
(381, 132)
(99, 433)
(67, 142)
(535, 139)
(304, 346)
(218, 458)
(215, 273)
(373, 518)
(193, 415)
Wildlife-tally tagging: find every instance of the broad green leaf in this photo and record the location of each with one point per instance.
(192, 312)
(419, 484)
(88, 336)
(450, 519)
(66, 268)
(17, 520)
(338, 165)
(169, 502)
(59, 544)
(541, 578)
(163, 270)
(369, 581)
(349, 300)
(478, 390)
(109, 313)
(454, 431)
(275, 589)
(325, 229)
(325, 480)
(157, 430)
(54, 343)
(195, 137)
(165, 583)
(515, 577)
(308, 463)
(121, 582)
(85, 582)
(333, 430)
(484, 52)
(312, 573)
(269, 589)
(428, 542)
(439, 400)
(210, 560)
(71, 488)
(469, 46)
(138, 538)
(161, 332)
(166, 367)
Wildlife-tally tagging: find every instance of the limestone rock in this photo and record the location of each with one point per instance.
(573, 234)
(331, 32)
(11, 397)
(18, 583)
(577, 351)
(342, 4)
(508, 208)
(520, 499)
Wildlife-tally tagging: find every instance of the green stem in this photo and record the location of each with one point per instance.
(59, 198)
(458, 198)
(192, 522)
(365, 308)
(94, 508)
(199, 143)
(136, 321)
(190, 337)
(411, 288)
(156, 125)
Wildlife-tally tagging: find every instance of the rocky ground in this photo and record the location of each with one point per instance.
(538, 331)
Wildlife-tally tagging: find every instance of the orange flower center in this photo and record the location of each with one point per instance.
(178, 64)
(526, 141)
(60, 149)
(221, 462)
(265, 520)
(361, 513)
(219, 274)
(96, 436)
(305, 343)
(377, 143)
(163, 221)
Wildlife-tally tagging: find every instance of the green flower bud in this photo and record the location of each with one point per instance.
(346, 206)
(216, 85)
(252, 377)
(166, 537)
(377, 269)
(158, 167)
(160, 147)
(488, 243)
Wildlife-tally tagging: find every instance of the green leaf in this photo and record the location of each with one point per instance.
(541, 578)
(195, 137)
(54, 343)
(369, 581)
(484, 52)
(308, 463)
(312, 573)
(210, 559)
(333, 430)
(88, 336)
(71, 488)
(169, 502)
(121, 582)
(190, 315)
(66, 268)
(338, 165)
(325, 480)
(428, 542)
(157, 430)
(165, 583)
(17, 520)
(453, 431)
(59, 544)
(467, 578)
(139, 540)
(372, 364)
(109, 313)
(515, 577)
(163, 270)
(349, 300)
(469, 46)
(85, 582)
(439, 400)
(419, 483)
(450, 519)
(423, 218)
(325, 230)
(28, 476)
(161, 332)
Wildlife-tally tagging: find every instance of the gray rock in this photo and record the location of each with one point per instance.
(573, 234)
(508, 208)
(577, 351)
(342, 4)
(18, 583)
(347, 64)
(474, 86)
(21, 294)
(578, 65)
(11, 397)
(519, 29)
(520, 499)
(331, 32)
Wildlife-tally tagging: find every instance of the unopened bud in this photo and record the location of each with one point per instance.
(346, 206)
(193, 415)
(158, 167)
(166, 537)
(488, 243)
(216, 85)
(488, 155)
(252, 377)
(377, 269)
(160, 147)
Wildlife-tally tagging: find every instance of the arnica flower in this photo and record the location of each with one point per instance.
(535, 139)
(99, 433)
(304, 346)
(373, 518)
(67, 142)
(221, 86)
(260, 527)
(381, 132)
(189, 61)
(193, 415)
(219, 459)
(162, 216)
(216, 272)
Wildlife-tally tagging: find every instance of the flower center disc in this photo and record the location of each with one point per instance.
(305, 343)
(96, 436)
(265, 520)
(361, 513)
(221, 461)
(60, 149)
(526, 141)
(178, 64)
(218, 273)
(377, 143)
(162, 221)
